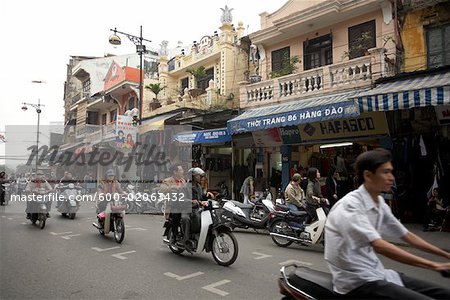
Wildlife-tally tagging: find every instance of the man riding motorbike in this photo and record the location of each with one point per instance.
(39, 184)
(66, 179)
(294, 194)
(198, 198)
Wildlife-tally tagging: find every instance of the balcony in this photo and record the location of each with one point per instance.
(353, 74)
(90, 133)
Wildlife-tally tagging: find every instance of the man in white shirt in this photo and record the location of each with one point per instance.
(353, 240)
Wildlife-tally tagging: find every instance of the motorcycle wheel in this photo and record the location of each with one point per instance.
(64, 214)
(72, 216)
(174, 248)
(225, 248)
(119, 230)
(281, 227)
(42, 220)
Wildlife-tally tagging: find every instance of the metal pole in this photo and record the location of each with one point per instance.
(139, 104)
(38, 110)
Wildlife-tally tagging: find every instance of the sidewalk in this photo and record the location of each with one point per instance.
(440, 239)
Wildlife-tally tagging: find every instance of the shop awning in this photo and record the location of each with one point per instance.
(156, 123)
(419, 91)
(302, 111)
(217, 135)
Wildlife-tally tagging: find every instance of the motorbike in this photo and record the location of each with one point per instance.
(111, 219)
(7, 191)
(69, 201)
(287, 227)
(142, 202)
(308, 284)
(207, 233)
(253, 215)
(38, 208)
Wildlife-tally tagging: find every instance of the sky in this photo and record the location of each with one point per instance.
(38, 38)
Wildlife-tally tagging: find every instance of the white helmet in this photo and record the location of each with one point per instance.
(196, 171)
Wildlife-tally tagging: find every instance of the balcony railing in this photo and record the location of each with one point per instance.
(352, 74)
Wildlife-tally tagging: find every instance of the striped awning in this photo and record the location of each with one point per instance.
(420, 91)
(156, 123)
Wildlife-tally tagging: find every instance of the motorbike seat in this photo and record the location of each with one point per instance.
(283, 207)
(298, 213)
(242, 205)
(313, 282)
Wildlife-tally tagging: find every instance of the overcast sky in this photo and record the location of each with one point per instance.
(38, 38)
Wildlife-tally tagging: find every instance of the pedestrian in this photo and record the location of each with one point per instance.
(248, 189)
(332, 184)
(353, 235)
(3, 180)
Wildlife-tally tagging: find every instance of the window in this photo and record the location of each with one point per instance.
(92, 117)
(317, 52)
(113, 115)
(438, 46)
(361, 38)
(184, 84)
(280, 59)
(203, 83)
(87, 85)
(104, 119)
(131, 103)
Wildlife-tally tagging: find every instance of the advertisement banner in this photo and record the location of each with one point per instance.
(443, 114)
(267, 138)
(125, 132)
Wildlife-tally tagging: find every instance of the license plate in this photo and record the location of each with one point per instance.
(73, 203)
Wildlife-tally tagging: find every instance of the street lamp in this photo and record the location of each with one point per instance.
(140, 49)
(38, 110)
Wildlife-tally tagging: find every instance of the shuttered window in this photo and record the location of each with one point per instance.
(438, 46)
(280, 59)
(361, 38)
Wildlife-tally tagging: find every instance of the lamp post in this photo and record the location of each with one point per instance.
(38, 110)
(140, 49)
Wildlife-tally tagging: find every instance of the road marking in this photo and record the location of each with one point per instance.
(61, 233)
(23, 223)
(10, 219)
(68, 237)
(178, 277)
(121, 255)
(293, 261)
(137, 228)
(3, 216)
(212, 287)
(261, 255)
(105, 249)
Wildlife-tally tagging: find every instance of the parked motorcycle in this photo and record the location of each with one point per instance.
(287, 227)
(111, 219)
(253, 215)
(69, 202)
(308, 284)
(208, 233)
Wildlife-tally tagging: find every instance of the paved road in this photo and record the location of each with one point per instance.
(69, 259)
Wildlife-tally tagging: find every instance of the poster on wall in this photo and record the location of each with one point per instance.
(125, 132)
(443, 114)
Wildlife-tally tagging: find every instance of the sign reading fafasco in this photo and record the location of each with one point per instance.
(367, 124)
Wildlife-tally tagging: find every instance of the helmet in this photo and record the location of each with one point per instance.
(296, 177)
(110, 172)
(196, 171)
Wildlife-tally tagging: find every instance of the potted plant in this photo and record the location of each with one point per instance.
(359, 46)
(288, 68)
(155, 88)
(198, 73)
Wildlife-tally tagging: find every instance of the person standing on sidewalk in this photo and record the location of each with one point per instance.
(353, 239)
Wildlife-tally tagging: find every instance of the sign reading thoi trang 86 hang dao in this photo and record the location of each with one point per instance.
(264, 118)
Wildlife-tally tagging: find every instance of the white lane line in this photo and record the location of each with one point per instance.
(212, 287)
(10, 219)
(104, 249)
(293, 261)
(68, 237)
(178, 277)
(60, 233)
(121, 255)
(136, 228)
(261, 255)
(23, 223)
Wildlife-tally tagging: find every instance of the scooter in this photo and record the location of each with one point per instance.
(252, 215)
(70, 203)
(38, 208)
(111, 220)
(287, 227)
(308, 284)
(207, 233)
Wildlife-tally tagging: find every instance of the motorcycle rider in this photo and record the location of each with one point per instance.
(109, 186)
(353, 240)
(314, 196)
(21, 184)
(38, 183)
(66, 179)
(169, 185)
(198, 198)
(295, 196)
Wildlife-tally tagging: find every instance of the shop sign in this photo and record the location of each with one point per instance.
(290, 135)
(367, 124)
(443, 114)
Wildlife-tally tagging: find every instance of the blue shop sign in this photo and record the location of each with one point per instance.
(219, 135)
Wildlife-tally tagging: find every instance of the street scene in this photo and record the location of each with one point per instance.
(283, 149)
